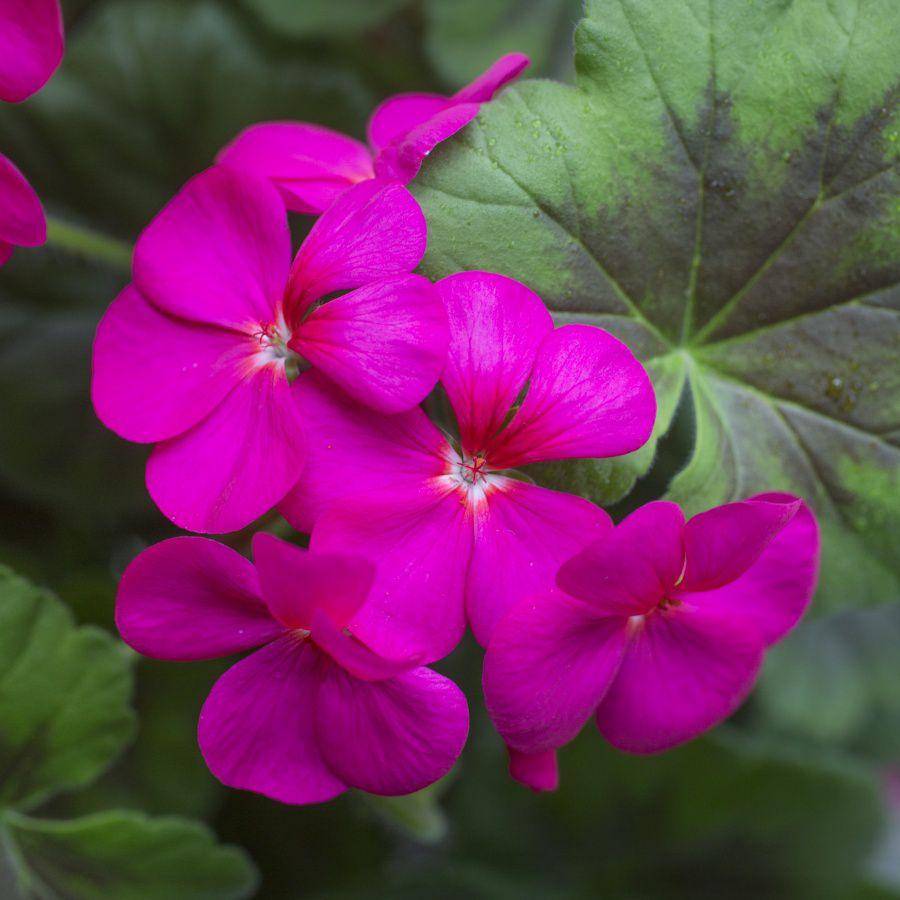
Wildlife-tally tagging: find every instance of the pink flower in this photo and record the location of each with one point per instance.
(658, 630)
(314, 711)
(197, 355)
(312, 165)
(451, 531)
(31, 46)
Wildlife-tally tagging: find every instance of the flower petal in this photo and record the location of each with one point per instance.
(219, 252)
(257, 729)
(5, 252)
(548, 665)
(539, 771)
(685, 670)
(398, 115)
(385, 344)
(630, 569)
(353, 450)
(722, 543)
(31, 46)
(496, 327)
(523, 533)
(588, 397)
(487, 84)
(311, 166)
(22, 221)
(154, 376)
(191, 598)
(391, 737)
(422, 543)
(296, 583)
(374, 231)
(777, 588)
(236, 464)
(402, 159)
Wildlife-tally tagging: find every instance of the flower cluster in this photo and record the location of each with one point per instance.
(269, 382)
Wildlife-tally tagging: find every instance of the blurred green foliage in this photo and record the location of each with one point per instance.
(787, 802)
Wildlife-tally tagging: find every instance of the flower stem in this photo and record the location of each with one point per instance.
(88, 243)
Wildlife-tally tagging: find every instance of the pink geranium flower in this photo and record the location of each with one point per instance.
(312, 165)
(22, 222)
(315, 711)
(197, 355)
(31, 46)
(452, 531)
(658, 630)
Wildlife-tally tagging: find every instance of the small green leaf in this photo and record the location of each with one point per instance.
(311, 18)
(64, 692)
(126, 856)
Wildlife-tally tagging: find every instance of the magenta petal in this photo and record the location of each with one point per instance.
(588, 397)
(630, 570)
(236, 464)
(422, 543)
(487, 84)
(685, 670)
(22, 222)
(539, 771)
(496, 327)
(5, 252)
(297, 583)
(190, 598)
(219, 252)
(548, 665)
(31, 46)
(777, 588)
(724, 542)
(353, 450)
(391, 737)
(385, 344)
(398, 115)
(155, 376)
(402, 159)
(311, 166)
(374, 231)
(257, 728)
(523, 533)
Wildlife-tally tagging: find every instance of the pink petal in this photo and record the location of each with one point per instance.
(22, 221)
(684, 671)
(353, 655)
(311, 166)
(154, 376)
(422, 543)
(548, 665)
(257, 729)
(588, 397)
(236, 464)
(191, 598)
(5, 252)
(31, 46)
(402, 159)
(219, 252)
(504, 70)
(523, 534)
(724, 542)
(391, 737)
(398, 115)
(539, 771)
(496, 327)
(296, 583)
(776, 590)
(373, 231)
(353, 450)
(385, 344)
(632, 568)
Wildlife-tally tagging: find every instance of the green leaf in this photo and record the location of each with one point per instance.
(418, 815)
(466, 36)
(64, 692)
(126, 856)
(720, 190)
(309, 18)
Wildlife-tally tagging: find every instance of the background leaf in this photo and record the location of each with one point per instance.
(317, 17)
